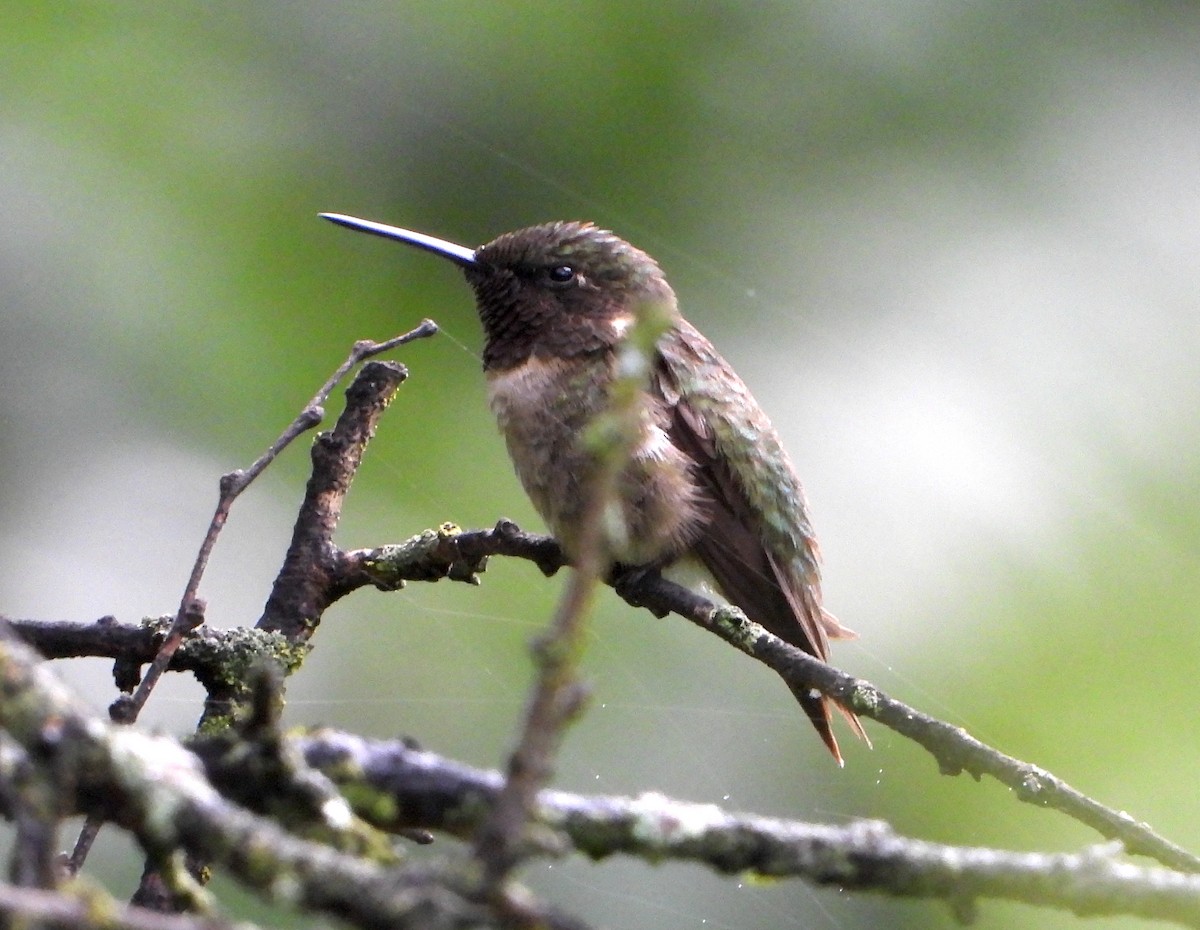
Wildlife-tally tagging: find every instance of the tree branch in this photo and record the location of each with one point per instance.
(955, 750)
(448, 552)
(156, 789)
(191, 609)
(428, 791)
(300, 594)
(221, 660)
(190, 614)
(430, 556)
(83, 909)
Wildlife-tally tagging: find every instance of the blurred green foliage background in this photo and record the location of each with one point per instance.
(952, 247)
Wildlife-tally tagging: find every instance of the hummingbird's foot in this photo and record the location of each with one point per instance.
(545, 551)
(630, 581)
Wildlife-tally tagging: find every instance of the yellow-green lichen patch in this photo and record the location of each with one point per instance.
(376, 807)
(741, 631)
(229, 656)
(864, 699)
(159, 626)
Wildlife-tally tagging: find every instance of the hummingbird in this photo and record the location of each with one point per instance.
(708, 481)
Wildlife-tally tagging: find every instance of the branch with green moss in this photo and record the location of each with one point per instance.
(396, 786)
(158, 791)
(220, 659)
(435, 553)
(316, 573)
(448, 552)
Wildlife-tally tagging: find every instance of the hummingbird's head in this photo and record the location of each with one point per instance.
(552, 291)
(560, 289)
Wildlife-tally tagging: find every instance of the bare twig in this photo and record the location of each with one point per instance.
(235, 482)
(190, 614)
(83, 843)
(557, 698)
(34, 798)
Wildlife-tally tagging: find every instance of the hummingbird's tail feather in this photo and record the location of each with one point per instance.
(810, 626)
(805, 602)
(816, 706)
(747, 576)
(855, 723)
(770, 574)
(833, 627)
(835, 630)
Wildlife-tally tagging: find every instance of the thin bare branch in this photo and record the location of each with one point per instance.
(235, 482)
(190, 614)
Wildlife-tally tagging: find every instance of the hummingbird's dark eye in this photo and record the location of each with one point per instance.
(562, 274)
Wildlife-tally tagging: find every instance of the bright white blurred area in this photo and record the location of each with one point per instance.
(1025, 343)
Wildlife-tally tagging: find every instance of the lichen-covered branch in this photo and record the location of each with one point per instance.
(84, 908)
(453, 553)
(220, 659)
(396, 786)
(157, 790)
(154, 788)
(954, 749)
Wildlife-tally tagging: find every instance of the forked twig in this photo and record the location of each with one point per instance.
(190, 614)
(234, 483)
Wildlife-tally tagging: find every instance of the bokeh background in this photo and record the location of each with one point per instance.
(952, 247)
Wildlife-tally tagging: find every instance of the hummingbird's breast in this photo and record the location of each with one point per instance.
(543, 407)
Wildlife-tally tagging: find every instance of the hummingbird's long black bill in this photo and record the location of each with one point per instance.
(458, 254)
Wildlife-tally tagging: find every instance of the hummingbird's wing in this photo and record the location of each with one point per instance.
(756, 539)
